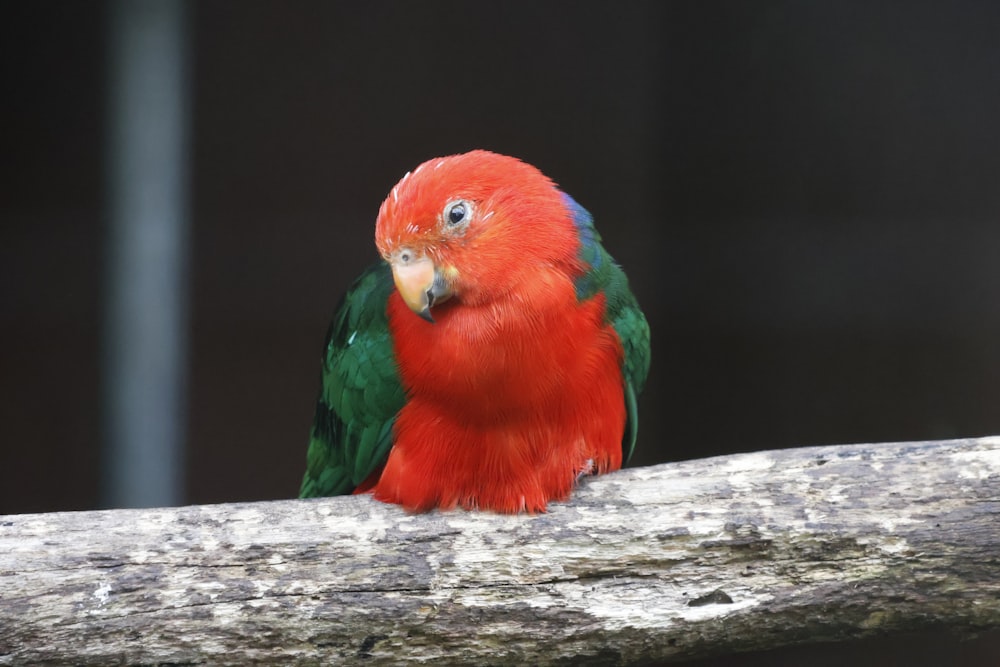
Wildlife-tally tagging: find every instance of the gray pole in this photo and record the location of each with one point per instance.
(145, 336)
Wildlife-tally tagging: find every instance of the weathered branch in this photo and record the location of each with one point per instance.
(673, 561)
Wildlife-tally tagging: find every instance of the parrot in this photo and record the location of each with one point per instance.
(490, 359)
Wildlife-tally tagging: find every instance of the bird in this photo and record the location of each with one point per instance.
(491, 358)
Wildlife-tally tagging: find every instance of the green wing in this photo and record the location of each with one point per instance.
(630, 324)
(360, 391)
(622, 310)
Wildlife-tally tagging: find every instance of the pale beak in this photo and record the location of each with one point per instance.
(420, 285)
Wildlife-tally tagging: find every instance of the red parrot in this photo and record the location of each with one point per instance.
(503, 366)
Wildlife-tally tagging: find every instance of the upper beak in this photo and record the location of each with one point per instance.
(420, 284)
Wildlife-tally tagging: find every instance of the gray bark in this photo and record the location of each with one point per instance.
(673, 561)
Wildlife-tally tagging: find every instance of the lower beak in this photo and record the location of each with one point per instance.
(420, 284)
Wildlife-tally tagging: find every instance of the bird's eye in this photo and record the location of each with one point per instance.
(457, 213)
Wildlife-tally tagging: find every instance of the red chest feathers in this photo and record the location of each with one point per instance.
(508, 402)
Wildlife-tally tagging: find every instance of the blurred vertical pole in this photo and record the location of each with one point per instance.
(145, 334)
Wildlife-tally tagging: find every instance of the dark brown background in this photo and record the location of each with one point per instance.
(806, 197)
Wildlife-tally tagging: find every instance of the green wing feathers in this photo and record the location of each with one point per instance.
(604, 276)
(630, 324)
(360, 391)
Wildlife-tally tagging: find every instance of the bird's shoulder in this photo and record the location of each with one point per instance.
(360, 391)
(602, 275)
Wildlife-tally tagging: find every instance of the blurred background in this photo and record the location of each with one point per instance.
(804, 195)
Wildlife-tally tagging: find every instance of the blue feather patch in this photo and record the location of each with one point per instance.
(590, 249)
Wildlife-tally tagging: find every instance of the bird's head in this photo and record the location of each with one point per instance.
(470, 227)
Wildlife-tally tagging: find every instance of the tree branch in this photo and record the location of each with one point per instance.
(673, 561)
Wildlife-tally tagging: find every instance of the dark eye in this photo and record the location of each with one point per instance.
(457, 213)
